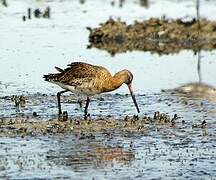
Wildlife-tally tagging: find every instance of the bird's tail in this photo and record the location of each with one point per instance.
(51, 77)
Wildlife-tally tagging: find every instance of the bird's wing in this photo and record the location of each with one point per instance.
(78, 73)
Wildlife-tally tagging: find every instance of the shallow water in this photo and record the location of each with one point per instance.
(32, 48)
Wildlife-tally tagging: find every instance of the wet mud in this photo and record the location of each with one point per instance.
(175, 129)
(162, 36)
(31, 126)
(29, 115)
(180, 133)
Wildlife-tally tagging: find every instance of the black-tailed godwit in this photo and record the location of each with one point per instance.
(89, 80)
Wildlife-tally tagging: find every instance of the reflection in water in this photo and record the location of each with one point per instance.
(198, 67)
(198, 9)
(82, 1)
(198, 89)
(61, 156)
(88, 156)
(4, 3)
(144, 3)
(110, 154)
(121, 3)
(198, 14)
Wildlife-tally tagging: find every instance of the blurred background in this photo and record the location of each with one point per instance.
(33, 47)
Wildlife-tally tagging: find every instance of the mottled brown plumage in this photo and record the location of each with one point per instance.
(87, 79)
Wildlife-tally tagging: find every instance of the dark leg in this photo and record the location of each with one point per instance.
(80, 103)
(59, 102)
(86, 108)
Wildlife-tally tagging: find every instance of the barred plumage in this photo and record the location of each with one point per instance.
(87, 79)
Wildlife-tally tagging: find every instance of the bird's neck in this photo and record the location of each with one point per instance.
(115, 82)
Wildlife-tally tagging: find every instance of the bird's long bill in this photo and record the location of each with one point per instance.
(133, 97)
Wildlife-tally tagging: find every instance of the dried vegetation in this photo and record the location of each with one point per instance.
(163, 36)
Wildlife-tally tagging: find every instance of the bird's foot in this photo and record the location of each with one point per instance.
(63, 116)
(87, 116)
(60, 117)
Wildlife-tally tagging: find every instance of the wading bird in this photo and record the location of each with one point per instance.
(89, 80)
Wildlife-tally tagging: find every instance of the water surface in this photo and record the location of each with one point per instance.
(32, 48)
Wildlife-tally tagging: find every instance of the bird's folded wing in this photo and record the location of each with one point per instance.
(77, 73)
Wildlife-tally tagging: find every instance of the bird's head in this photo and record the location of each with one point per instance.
(128, 81)
(128, 77)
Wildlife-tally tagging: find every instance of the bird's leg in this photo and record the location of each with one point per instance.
(59, 102)
(80, 103)
(86, 108)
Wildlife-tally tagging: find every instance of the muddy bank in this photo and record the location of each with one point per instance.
(161, 36)
(37, 114)
(33, 126)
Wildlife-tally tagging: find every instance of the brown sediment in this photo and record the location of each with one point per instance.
(34, 127)
(162, 36)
